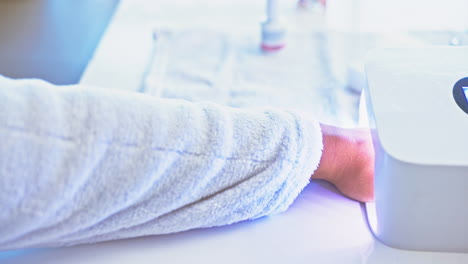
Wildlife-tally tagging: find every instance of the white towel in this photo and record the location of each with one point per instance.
(83, 165)
(230, 69)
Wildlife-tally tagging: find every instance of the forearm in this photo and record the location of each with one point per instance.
(85, 165)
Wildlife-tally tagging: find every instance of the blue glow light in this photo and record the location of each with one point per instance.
(4, 255)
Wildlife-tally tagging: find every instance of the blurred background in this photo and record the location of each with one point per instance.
(209, 49)
(63, 34)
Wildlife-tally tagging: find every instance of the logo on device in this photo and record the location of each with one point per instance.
(460, 94)
(465, 90)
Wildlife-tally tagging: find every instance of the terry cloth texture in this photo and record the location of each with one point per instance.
(83, 165)
(230, 69)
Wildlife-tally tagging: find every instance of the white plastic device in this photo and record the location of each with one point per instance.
(420, 135)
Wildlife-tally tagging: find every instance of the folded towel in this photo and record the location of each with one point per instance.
(230, 69)
(83, 165)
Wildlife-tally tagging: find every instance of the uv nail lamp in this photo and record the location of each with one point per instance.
(417, 104)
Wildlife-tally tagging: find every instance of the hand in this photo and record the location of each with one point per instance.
(348, 162)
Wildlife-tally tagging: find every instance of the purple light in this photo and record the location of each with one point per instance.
(372, 217)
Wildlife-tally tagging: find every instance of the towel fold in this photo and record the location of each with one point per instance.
(230, 69)
(83, 165)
